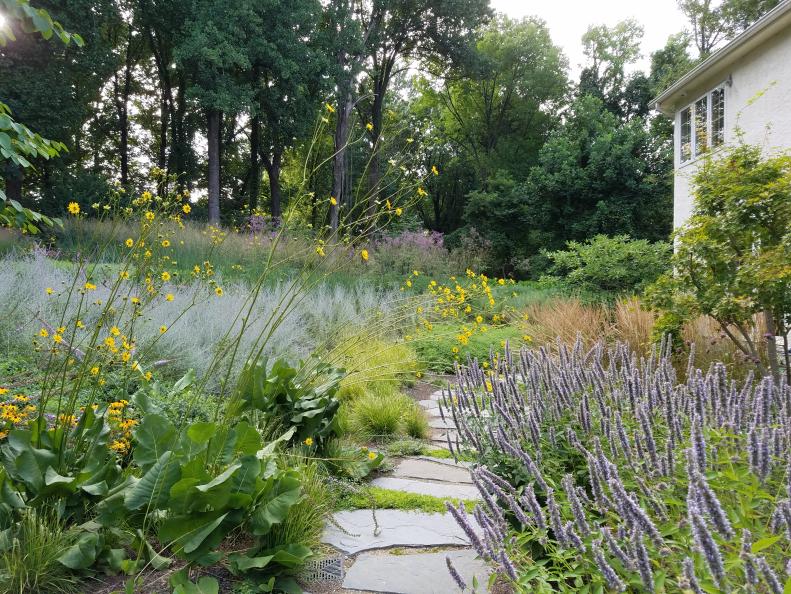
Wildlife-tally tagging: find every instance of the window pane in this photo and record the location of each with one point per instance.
(686, 134)
(701, 112)
(717, 117)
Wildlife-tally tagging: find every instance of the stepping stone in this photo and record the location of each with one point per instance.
(397, 528)
(446, 461)
(419, 573)
(438, 423)
(437, 396)
(425, 469)
(443, 490)
(429, 404)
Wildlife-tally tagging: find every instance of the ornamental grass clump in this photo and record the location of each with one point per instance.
(598, 468)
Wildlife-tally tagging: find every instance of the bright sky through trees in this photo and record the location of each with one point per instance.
(569, 19)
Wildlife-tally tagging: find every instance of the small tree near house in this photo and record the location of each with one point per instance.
(733, 257)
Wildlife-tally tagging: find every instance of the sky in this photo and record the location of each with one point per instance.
(569, 19)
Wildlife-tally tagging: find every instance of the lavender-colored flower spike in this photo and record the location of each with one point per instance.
(711, 505)
(705, 542)
(508, 566)
(576, 507)
(530, 501)
(747, 557)
(461, 519)
(689, 574)
(642, 561)
(770, 577)
(698, 444)
(616, 550)
(610, 577)
(554, 518)
(455, 574)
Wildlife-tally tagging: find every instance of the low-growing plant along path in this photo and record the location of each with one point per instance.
(398, 551)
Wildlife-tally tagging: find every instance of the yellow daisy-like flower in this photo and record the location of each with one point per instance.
(109, 342)
(308, 441)
(364, 255)
(320, 251)
(3, 391)
(124, 274)
(169, 297)
(333, 201)
(80, 324)
(135, 300)
(163, 329)
(399, 211)
(371, 456)
(90, 287)
(165, 276)
(421, 192)
(455, 350)
(186, 209)
(49, 290)
(129, 242)
(148, 375)
(94, 370)
(165, 243)
(409, 283)
(74, 208)
(218, 291)
(115, 331)
(43, 333)
(149, 216)
(329, 107)
(146, 196)
(434, 170)
(501, 281)
(57, 338)
(369, 126)
(125, 357)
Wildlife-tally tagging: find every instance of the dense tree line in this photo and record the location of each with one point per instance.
(224, 97)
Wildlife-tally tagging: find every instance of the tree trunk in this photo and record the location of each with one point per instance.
(374, 170)
(213, 137)
(123, 115)
(771, 344)
(255, 162)
(13, 182)
(273, 167)
(342, 129)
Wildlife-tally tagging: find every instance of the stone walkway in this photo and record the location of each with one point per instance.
(404, 552)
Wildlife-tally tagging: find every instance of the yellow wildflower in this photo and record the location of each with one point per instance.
(186, 209)
(308, 441)
(371, 456)
(329, 107)
(169, 297)
(94, 370)
(165, 243)
(90, 287)
(163, 329)
(74, 208)
(434, 170)
(333, 201)
(364, 255)
(149, 216)
(43, 333)
(218, 291)
(115, 331)
(57, 338)
(399, 211)
(165, 276)
(129, 242)
(49, 290)
(369, 126)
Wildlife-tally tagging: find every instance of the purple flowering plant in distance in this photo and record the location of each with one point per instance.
(601, 469)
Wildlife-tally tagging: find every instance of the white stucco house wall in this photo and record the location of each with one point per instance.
(745, 85)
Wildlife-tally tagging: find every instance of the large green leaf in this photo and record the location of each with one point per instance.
(83, 553)
(279, 496)
(188, 533)
(153, 488)
(153, 437)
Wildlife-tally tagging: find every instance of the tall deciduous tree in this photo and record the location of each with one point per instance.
(714, 22)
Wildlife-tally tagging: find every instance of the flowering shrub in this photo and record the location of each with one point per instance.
(602, 471)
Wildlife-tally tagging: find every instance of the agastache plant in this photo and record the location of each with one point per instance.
(617, 463)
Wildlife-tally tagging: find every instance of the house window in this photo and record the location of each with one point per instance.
(702, 125)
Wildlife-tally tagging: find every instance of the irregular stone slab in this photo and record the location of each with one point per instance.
(420, 573)
(425, 469)
(437, 396)
(397, 528)
(444, 490)
(429, 404)
(446, 461)
(438, 423)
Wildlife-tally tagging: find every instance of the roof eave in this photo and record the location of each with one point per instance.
(767, 25)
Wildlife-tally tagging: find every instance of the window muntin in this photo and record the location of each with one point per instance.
(702, 125)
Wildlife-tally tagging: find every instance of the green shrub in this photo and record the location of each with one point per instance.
(375, 416)
(609, 265)
(436, 348)
(415, 421)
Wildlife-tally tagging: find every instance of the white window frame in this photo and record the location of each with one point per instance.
(693, 141)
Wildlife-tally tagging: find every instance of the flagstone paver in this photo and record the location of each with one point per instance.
(413, 468)
(435, 489)
(419, 573)
(396, 528)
